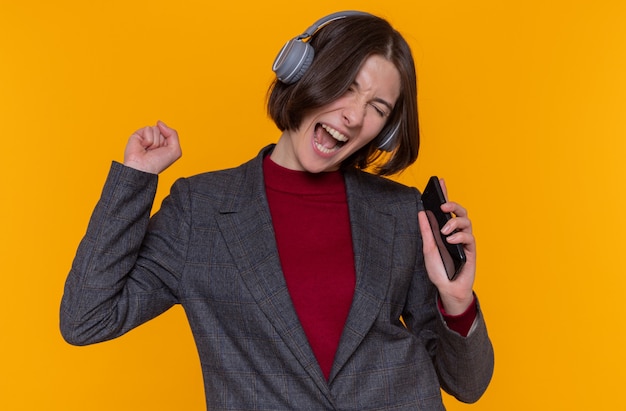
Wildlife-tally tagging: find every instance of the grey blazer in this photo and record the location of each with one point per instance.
(211, 248)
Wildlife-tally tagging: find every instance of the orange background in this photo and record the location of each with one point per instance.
(522, 107)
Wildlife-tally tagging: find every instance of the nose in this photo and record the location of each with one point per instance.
(353, 112)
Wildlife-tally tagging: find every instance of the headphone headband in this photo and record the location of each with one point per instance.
(296, 55)
(327, 19)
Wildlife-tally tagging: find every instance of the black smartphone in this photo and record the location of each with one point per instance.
(452, 255)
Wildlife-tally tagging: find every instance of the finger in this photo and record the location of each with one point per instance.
(461, 237)
(467, 241)
(457, 224)
(162, 141)
(158, 139)
(145, 137)
(454, 208)
(166, 131)
(149, 138)
(459, 220)
(170, 135)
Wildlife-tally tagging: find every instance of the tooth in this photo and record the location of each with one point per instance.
(324, 149)
(335, 134)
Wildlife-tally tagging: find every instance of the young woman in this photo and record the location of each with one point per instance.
(308, 282)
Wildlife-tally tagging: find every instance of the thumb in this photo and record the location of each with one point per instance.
(165, 130)
(428, 239)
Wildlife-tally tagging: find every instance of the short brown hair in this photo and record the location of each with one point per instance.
(341, 48)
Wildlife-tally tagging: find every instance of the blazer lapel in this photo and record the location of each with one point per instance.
(246, 225)
(372, 236)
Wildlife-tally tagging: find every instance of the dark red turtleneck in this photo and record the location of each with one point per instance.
(312, 226)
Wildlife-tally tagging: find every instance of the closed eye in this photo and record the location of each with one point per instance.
(386, 104)
(379, 111)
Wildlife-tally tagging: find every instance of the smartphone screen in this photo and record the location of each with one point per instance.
(452, 255)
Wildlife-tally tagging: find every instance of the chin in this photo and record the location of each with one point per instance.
(319, 167)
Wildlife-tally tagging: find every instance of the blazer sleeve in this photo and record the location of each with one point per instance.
(464, 365)
(127, 267)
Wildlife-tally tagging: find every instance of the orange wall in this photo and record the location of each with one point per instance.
(523, 112)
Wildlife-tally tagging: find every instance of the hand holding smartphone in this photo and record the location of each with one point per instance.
(452, 255)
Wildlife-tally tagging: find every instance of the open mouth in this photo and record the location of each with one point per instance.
(327, 139)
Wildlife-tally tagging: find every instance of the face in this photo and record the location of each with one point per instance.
(332, 133)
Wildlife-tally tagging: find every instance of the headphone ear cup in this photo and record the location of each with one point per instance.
(293, 61)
